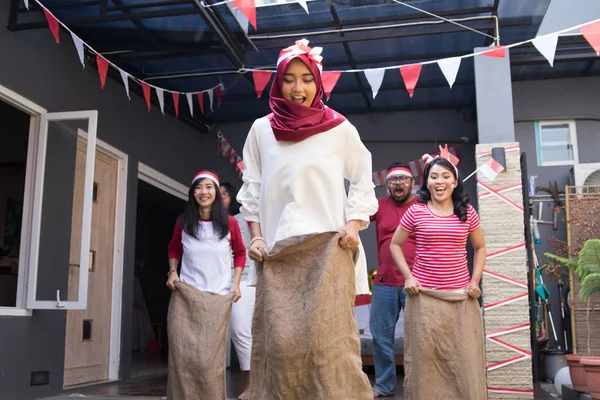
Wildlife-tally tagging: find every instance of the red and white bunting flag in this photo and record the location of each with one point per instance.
(591, 33)
(190, 101)
(102, 64)
(125, 79)
(211, 94)
(218, 92)
(201, 102)
(79, 46)
(491, 169)
(379, 177)
(261, 80)
(449, 67)
(546, 45)
(329, 79)
(303, 4)
(52, 24)
(225, 148)
(176, 103)
(26, 4)
(146, 89)
(248, 8)
(161, 99)
(410, 74)
(240, 165)
(375, 79)
(498, 52)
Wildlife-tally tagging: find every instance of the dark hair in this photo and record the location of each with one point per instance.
(398, 165)
(234, 206)
(459, 197)
(218, 214)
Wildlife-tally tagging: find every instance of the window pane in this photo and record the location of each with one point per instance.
(555, 133)
(556, 153)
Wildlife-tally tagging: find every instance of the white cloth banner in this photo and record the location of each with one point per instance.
(211, 92)
(79, 46)
(375, 78)
(304, 5)
(546, 45)
(125, 78)
(449, 67)
(188, 96)
(161, 99)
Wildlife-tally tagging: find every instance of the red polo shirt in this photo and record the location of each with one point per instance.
(387, 220)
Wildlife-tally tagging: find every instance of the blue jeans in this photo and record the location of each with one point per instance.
(386, 303)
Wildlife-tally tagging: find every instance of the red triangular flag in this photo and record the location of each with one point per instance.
(329, 79)
(201, 102)
(240, 165)
(261, 80)
(410, 74)
(499, 52)
(218, 91)
(248, 8)
(176, 103)
(102, 64)
(52, 24)
(591, 33)
(146, 89)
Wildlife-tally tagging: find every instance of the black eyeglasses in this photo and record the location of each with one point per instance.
(399, 179)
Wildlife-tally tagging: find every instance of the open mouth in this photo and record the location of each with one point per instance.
(440, 190)
(299, 99)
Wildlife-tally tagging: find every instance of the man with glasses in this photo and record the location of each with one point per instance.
(388, 286)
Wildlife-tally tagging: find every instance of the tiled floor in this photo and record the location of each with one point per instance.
(154, 387)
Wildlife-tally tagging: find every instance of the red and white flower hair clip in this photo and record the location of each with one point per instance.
(301, 47)
(444, 153)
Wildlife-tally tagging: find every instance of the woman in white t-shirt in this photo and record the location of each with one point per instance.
(243, 310)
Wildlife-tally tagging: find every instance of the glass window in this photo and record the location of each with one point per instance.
(556, 143)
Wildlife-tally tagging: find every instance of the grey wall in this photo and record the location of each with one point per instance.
(576, 99)
(402, 136)
(50, 75)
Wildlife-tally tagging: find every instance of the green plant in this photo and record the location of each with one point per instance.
(587, 269)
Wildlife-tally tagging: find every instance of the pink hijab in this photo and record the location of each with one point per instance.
(293, 122)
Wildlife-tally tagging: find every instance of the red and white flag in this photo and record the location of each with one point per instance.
(491, 169)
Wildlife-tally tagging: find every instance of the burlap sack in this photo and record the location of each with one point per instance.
(443, 347)
(198, 329)
(305, 339)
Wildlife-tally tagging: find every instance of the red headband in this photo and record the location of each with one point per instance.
(398, 171)
(206, 174)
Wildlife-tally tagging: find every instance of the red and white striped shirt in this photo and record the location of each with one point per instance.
(441, 255)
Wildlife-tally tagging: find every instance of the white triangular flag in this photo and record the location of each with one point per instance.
(210, 98)
(303, 4)
(190, 103)
(125, 78)
(240, 18)
(375, 78)
(79, 46)
(546, 45)
(161, 99)
(26, 4)
(449, 67)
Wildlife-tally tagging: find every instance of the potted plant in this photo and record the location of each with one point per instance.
(587, 269)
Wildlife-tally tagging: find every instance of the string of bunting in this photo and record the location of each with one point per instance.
(103, 65)
(225, 149)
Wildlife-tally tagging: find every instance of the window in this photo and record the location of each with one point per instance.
(556, 143)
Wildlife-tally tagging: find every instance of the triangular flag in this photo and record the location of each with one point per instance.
(329, 79)
(591, 33)
(201, 102)
(491, 169)
(176, 103)
(248, 8)
(26, 4)
(546, 45)
(240, 165)
(146, 89)
(190, 103)
(210, 98)
(410, 74)
(52, 24)
(102, 64)
(375, 78)
(218, 92)
(240, 17)
(161, 99)
(79, 46)
(449, 67)
(125, 78)
(499, 52)
(303, 4)
(261, 80)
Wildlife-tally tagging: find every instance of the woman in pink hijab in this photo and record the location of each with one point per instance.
(297, 160)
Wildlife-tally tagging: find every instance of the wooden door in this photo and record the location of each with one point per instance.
(87, 343)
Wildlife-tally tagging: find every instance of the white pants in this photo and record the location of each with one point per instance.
(241, 325)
